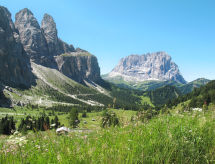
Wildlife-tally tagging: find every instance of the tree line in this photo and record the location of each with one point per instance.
(198, 97)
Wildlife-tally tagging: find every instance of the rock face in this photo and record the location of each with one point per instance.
(40, 43)
(32, 37)
(15, 67)
(50, 32)
(44, 47)
(26, 41)
(155, 66)
(79, 66)
(55, 45)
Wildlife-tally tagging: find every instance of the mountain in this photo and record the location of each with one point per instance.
(28, 52)
(150, 72)
(38, 68)
(44, 47)
(50, 71)
(148, 67)
(14, 63)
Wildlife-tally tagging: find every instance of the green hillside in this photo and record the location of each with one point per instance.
(189, 87)
(199, 97)
(152, 85)
(144, 86)
(164, 94)
(53, 88)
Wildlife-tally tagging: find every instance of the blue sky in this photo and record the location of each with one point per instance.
(112, 29)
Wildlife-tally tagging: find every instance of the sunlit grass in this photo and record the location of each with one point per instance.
(177, 138)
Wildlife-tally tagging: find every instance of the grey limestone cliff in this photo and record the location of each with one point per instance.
(152, 66)
(55, 45)
(32, 38)
(15, 67)
(79, 66)
(26, 41)
(44, 47)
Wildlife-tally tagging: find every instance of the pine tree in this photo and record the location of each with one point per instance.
(47, 122)
(56, 121)
(73, 118)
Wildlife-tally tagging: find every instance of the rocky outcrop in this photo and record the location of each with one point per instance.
(50, 32)
(40, 43)
(55, 45)
(44, 47)
(32, 38)
(15, 67)
(155, 66)
(79, 66)
(27, 40)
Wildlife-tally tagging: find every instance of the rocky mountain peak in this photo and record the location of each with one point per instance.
(27, 40)
(48, 19)
(48, 26)
(26, 18)
(31, 36)
(151, 66)
(14, 64)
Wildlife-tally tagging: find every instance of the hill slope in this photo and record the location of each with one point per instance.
(199, 97)
(55, 88)
(152, 85)
(162, 95)
(189, 87)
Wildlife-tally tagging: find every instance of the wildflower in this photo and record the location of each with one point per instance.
(59, 157)
(37, 146)
(85, 137)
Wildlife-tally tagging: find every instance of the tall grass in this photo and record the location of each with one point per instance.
(185, 138)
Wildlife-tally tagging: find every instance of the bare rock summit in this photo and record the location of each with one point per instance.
(147, 67)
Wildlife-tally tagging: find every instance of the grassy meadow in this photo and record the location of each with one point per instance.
(185, 137)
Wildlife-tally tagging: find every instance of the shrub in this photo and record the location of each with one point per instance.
(145, 115)
(109, 118)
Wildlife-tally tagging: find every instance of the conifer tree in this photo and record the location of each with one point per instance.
(73, 118)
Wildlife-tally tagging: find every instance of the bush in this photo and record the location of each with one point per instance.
(145, 115)
(109, 118)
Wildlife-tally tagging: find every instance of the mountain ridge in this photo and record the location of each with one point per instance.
(41, 44)
(156, 66)
(54, 72)
(25, 46)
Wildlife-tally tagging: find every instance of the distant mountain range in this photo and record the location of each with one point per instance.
(149, 72)
(37, 67)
